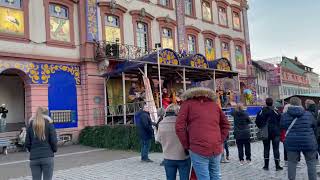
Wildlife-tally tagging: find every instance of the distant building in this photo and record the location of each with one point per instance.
(297, 66)
(261, 77)
(287, 77)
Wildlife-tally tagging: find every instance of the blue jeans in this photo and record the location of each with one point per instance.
(42, 168)
(206, 168)
(171, 167)
(145, 146)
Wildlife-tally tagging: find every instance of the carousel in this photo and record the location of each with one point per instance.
(158, 78)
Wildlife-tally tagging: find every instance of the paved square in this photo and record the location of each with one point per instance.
(133, 169)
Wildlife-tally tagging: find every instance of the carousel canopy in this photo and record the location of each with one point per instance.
(197, 68)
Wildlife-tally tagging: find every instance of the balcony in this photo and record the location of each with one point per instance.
(117, 51)
(114, 50)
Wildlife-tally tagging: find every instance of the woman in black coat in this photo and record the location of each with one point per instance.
(242, 133)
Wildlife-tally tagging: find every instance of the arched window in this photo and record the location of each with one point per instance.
(191, 44)
(142, 22)
(239, 56)
(222, 11)
(167, 27)
(236, 20)
(165, 3)
(192, 39)
(142, 35)
(209, 48)
(236, 17)
(239, 53)
(112, 21)
(189, 9)
(112, 28)
(206, 11)
(209, 44)
(14, 20)
(225, 46)
(59, 22)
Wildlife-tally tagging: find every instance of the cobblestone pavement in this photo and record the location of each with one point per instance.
(133, 169)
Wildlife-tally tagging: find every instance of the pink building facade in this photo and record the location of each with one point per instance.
(48, 49)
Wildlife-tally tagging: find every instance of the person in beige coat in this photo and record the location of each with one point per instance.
(175, 156)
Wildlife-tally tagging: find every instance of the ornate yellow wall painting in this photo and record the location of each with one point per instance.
(167, 43)
(210, 54)
(11, 21)
(112, 34)
(59, 29)
(226, 54)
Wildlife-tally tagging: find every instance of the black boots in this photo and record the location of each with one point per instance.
(266, 164)
(278, 167)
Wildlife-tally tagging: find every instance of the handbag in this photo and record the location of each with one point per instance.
(263, 133)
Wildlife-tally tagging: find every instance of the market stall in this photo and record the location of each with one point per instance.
(168, 75)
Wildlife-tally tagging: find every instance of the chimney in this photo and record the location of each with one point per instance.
(296, 58)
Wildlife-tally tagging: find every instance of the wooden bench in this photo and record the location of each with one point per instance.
(4, 144)
(64, 138)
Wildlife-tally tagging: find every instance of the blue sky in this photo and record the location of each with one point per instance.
(285, 28)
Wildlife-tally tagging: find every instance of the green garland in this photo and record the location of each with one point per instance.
(119, 137)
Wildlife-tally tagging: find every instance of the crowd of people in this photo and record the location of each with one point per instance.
(195, 132)
(191, 133)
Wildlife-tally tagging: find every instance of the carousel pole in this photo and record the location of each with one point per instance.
(184, 79)
(239, 86)
(158, 46)
(146, 70)
(124, 98)
(214, 81)
(105, 101)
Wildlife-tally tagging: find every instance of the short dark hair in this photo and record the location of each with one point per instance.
(269, 101)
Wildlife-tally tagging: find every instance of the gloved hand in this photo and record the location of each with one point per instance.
(186, 151)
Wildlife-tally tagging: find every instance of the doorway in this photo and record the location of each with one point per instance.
(12, 94)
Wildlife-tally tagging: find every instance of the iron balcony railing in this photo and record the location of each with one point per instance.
(107, 49)
(116, 50)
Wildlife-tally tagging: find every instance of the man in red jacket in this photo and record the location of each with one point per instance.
(202, 128)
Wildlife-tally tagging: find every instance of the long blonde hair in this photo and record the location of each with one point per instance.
(39, 125)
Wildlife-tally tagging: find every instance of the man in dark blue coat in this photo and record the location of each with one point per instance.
(145, 131)
(270, 117)
(301, 137)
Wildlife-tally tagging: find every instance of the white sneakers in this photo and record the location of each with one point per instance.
(242, 163)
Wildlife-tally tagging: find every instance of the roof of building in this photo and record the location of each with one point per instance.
(266, 65)
(310, 95)
(256, 64)
(296, 62)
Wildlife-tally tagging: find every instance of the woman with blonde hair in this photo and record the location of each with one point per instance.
(242, 133)
(176, 158)
(41, 142)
